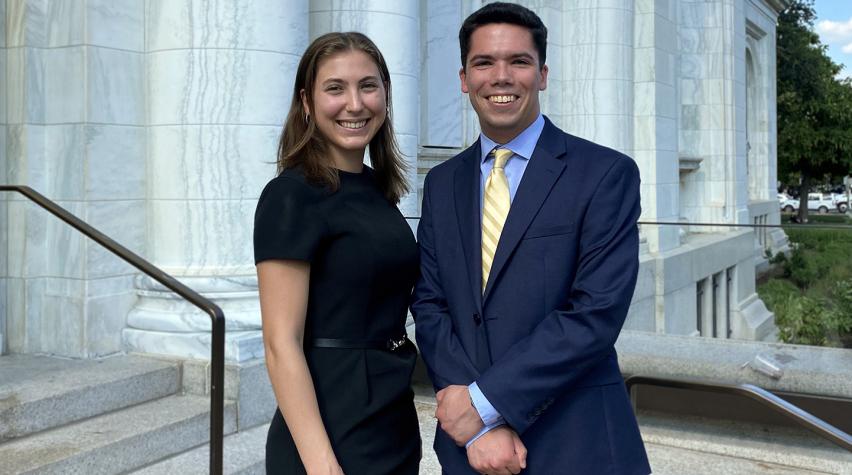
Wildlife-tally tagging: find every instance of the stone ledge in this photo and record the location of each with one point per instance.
(805, 369)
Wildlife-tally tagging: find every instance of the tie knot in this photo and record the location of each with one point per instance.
(501, 156)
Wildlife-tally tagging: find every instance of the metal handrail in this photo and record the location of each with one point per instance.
(762, 396)
(733, 225)
(217, 370)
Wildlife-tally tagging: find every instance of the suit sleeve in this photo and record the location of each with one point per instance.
(572, 340)
(445, 358)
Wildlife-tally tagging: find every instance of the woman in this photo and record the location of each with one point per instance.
(336, 262)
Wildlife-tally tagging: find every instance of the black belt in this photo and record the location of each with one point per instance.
(389, 344)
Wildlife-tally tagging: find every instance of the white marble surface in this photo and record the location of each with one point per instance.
(2, 33)
(239, 346)
(116, 24)
(64, 162)
(115, 162)
(26, 23)
(197, 237)
(65, 22)
(219, 86)
(262, 25)
(124, 222)
(441, 114)
(25, 85)
(64, 86)
(114, 86)
(211, 161)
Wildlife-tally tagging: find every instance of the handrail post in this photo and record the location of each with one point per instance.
(217, 393)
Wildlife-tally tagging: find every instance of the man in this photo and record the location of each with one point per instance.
(529, 257)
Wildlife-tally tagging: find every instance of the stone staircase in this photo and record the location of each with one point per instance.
(96, 416)
(130, 414)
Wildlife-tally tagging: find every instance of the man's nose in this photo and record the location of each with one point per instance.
(502, 73)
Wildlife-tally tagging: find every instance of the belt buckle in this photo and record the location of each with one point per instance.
(394, 344)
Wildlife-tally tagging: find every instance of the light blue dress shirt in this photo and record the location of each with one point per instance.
(523, 146)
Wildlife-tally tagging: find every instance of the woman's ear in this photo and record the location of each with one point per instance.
(304, 98)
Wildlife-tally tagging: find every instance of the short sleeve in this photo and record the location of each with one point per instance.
(286, 222)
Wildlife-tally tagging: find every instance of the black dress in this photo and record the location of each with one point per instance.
(364, 262)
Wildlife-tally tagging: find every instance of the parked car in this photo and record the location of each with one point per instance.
(816, 202)
(840, 202)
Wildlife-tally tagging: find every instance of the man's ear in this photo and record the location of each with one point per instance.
(463, 78)
(304, 98)
(544, 70)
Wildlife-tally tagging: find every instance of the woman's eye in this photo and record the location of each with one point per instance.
(370, 86)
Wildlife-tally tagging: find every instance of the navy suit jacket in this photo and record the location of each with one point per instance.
(539, 341)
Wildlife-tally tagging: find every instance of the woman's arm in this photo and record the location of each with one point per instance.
(283, 286)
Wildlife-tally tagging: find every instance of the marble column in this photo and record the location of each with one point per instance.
(74, 107)
(219, 78)
(395, 28)
(655, 118)
(4, 178)
(598, 72)
(712, 111)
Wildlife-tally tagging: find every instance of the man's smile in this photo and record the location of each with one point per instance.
(503, 99)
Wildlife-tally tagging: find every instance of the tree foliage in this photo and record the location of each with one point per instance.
(814, 108)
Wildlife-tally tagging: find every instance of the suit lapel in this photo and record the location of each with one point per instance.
(544, 168)
(466, 189)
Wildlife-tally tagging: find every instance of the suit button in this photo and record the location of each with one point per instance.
(477, 319)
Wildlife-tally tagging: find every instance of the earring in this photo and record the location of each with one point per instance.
(307, 118)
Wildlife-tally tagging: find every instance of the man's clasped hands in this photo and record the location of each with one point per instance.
(499, 451)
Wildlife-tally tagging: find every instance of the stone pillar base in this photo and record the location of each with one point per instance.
(239, 346)
(163, 323)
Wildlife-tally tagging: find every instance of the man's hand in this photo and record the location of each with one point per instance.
(498, 452)
(456, 414)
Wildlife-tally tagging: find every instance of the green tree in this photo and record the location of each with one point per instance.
(814, 108)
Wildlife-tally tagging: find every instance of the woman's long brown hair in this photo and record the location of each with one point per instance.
(303, 145)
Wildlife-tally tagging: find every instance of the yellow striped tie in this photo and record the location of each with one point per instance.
(495, 208)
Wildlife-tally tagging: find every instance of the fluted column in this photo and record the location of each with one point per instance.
(395, 28)
(219, 78)
(598, 72)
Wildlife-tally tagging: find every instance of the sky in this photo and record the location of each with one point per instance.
(834, 26)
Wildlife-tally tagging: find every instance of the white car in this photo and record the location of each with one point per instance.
(839, 201)
(816, 202)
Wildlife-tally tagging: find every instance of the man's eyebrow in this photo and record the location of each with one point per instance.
(521, 55)
(480, 56)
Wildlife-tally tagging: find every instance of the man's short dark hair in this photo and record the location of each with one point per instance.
(502, 12)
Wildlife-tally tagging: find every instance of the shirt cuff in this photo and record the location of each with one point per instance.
(486, 411)
(483, 432)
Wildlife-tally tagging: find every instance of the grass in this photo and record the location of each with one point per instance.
(812, 295)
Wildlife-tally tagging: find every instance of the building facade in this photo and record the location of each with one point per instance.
(157, 121)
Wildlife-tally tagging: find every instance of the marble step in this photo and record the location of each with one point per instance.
(116, 442)
(39, 392)
(670, 453)
(678, 445)
(762, 447)
(243, 454)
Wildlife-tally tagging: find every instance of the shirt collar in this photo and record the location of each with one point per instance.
(523, 145)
